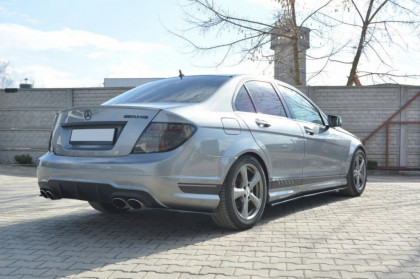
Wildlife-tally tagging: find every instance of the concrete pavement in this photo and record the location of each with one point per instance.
(328, 236)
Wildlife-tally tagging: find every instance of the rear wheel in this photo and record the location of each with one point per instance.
(357, 175)
(243, 195)
(107, 208)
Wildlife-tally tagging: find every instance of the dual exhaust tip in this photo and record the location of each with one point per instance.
(116, 202)
(48, 195)
(130, 203)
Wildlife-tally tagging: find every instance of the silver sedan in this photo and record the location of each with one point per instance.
(223, 145)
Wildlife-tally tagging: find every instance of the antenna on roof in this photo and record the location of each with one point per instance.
(181, 75)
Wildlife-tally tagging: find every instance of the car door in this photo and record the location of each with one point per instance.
(325, 150)
(281, 138)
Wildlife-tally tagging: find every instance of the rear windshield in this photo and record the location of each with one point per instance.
(192, 89)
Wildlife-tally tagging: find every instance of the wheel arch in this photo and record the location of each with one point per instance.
(227, 213)
(356, 145)
(356, 188)
(361, 146)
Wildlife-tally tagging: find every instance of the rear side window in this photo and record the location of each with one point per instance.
(265, 98)
(243, 101)
(190, 89)
(301, 108)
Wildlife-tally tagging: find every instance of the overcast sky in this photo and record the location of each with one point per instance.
(78, 43)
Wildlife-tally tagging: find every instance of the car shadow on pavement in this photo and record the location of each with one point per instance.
(307, 203)
(83, 239)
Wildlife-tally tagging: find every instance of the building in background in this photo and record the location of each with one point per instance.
(282, 44)
(26, 84)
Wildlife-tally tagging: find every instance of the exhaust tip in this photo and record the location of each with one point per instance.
(50, 195)
(136, 204)
(44, 194)
(119, 203)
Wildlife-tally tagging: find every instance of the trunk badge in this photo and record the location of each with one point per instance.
(88, 114)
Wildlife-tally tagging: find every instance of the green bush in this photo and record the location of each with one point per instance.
(23, 159)
(372, 165)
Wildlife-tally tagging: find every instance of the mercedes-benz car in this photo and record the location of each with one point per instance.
(226, 145)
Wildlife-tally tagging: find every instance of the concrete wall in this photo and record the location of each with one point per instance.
(26, 117)
(363, 109)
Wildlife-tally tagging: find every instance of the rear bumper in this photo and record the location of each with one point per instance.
(97, 192)
(157, 182)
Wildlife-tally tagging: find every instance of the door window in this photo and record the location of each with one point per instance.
(265, 98)
(243, 101)
(301, 108)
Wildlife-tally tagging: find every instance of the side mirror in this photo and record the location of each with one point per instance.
(334, 121)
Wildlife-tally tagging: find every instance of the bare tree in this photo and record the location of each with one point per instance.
(378, 22)
(374, 28)
(248, 37)
(5, 80)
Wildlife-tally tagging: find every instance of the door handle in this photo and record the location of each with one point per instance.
(262, 123)
(309, 131)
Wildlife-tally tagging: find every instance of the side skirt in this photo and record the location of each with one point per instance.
(315, 186)
(274, 203)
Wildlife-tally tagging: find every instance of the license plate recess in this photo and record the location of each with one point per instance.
(104, 136)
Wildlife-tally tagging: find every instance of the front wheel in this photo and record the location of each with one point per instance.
(357, 175)
(243, 195)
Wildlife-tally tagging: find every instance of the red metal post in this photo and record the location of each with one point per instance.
(390, 118)
(387, 123)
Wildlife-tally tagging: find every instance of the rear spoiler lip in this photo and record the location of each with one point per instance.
(111, 106)
(92, 123)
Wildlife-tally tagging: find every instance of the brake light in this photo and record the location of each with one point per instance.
(162, 137)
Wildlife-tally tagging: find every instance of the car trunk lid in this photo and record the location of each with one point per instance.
(103, 131)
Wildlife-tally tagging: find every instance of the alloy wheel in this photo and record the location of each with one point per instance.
(248, 191)
(359, 171)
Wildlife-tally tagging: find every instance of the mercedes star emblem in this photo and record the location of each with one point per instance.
(88, 114)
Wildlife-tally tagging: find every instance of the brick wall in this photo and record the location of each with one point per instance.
(27, 115)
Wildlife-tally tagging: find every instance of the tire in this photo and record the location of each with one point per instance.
(107, 208)
(357, 175)
(243, 195)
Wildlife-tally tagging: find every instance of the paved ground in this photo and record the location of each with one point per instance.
(374, 236)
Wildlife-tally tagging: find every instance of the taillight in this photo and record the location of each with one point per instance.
(162, 137)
